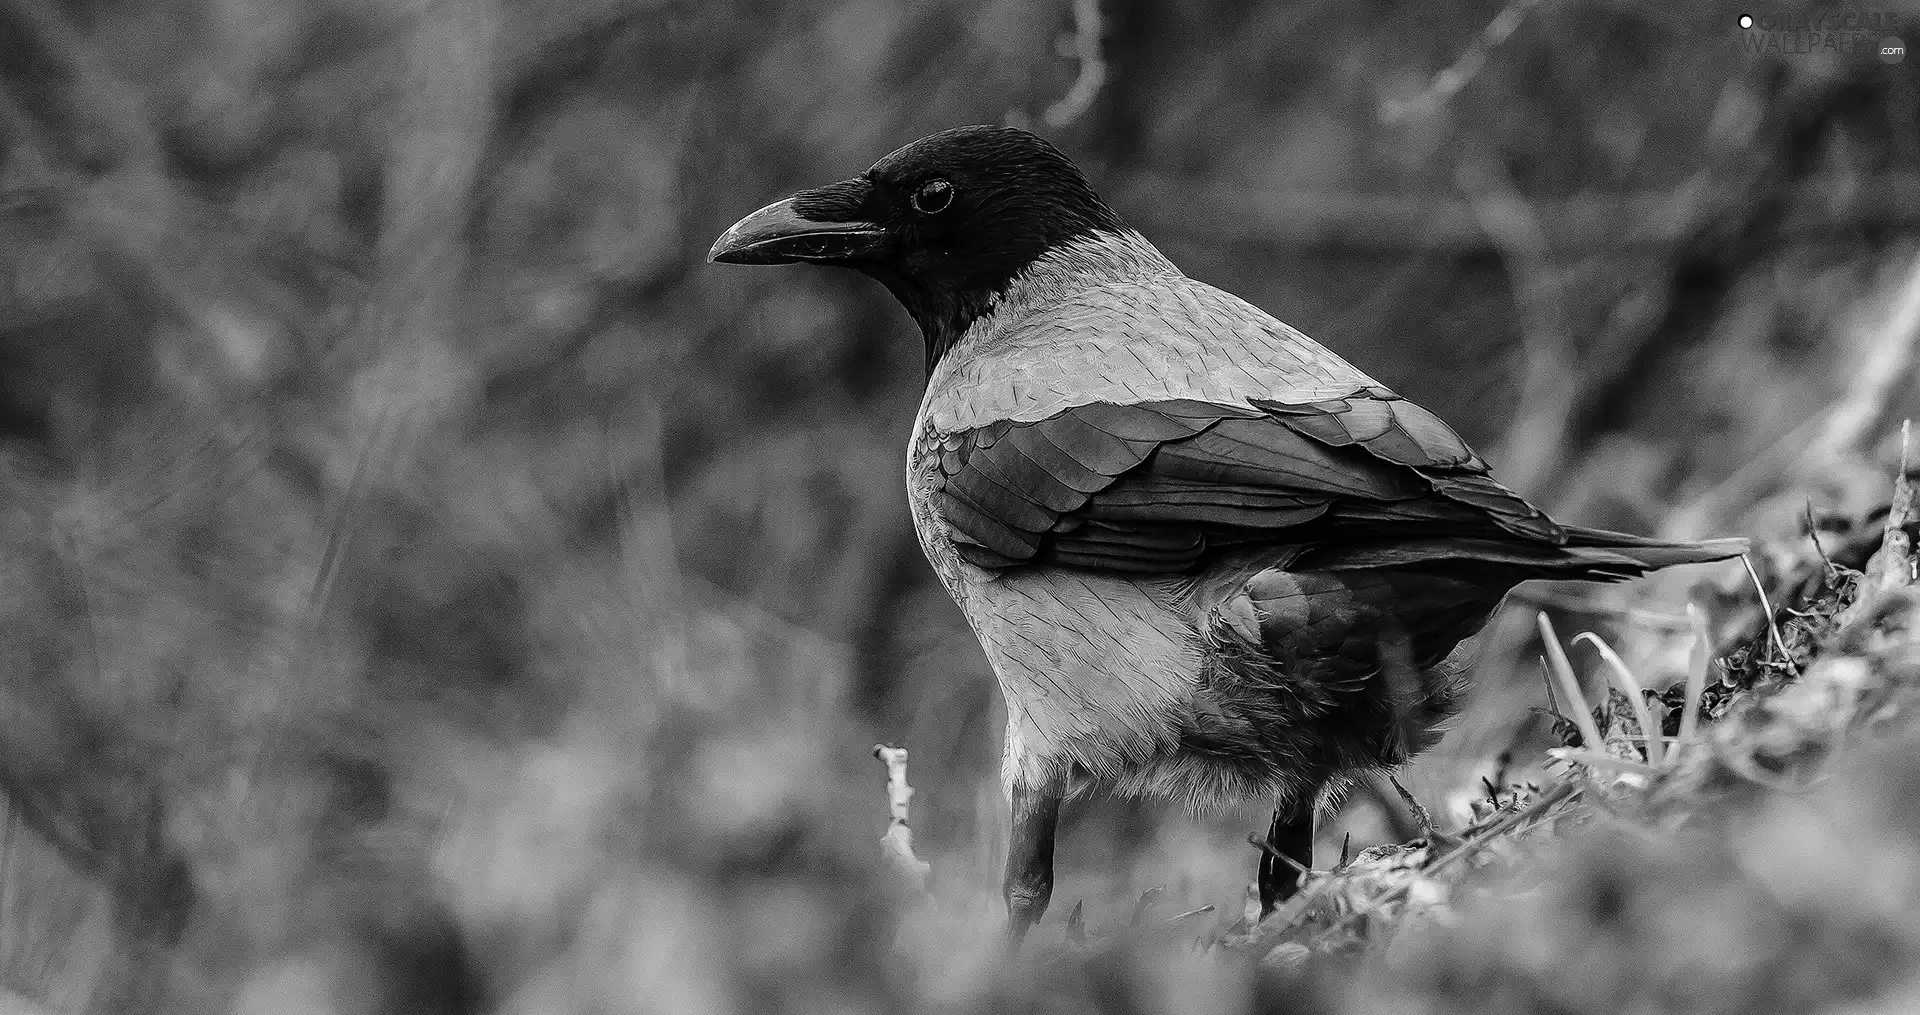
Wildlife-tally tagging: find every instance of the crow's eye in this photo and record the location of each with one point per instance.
(933, 196)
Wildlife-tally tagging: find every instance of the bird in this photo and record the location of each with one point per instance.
(1207, 559)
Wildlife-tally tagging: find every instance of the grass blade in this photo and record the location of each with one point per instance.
(1697, 663)
(1562, 671)
(1629, 686)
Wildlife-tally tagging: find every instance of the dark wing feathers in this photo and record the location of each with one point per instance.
(1193, 491)
(1259, 450)
(990, 541)
(1398, 431)
(1384, 423)
(1012, 474)
(1155, 427)
(1152, 487)
(1506, 508)
(1205, 516)
(1588, 555)
(1166, 550)
(1062, 469)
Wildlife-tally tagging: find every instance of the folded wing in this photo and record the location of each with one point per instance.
(1155, 487)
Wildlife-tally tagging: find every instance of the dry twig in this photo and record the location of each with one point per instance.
(1892, 566)
(1087, 29)
(1458, 74)
(1766, 610)
(1548, 389)
(1479, 840)
(898, 839)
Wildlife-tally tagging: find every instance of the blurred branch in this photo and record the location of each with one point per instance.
(106, 820)
(340, 530)
(18, 1004)
(1876, 376)
(1462, 71)
(536, 34)
(649, 567)
(1549, 371)
(1166, 204)
(442, 120)
(40, 41)
(1885, 360)
(113, 188)
(1087, 29)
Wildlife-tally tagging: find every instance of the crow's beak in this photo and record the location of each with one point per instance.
(779, 234)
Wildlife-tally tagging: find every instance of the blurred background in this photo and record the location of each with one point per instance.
(426, 585)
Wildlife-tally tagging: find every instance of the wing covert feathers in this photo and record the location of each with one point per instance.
(1151, 487)
(1398, 431)
(1155, 487)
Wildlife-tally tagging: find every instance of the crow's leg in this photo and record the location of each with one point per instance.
(1029, 883)
(1291, 835)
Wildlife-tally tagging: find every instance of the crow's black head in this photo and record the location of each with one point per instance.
(945, 223)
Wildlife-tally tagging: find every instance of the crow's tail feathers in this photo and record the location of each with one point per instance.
(1587, 555)
(1653, 554)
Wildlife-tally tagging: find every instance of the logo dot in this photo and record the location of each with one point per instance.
(1892, 50)
(1746, 21)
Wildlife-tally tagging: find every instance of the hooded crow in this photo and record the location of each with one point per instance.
(1207, 558)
